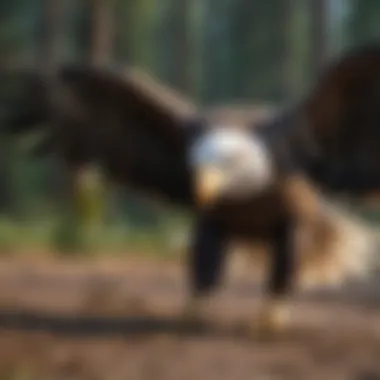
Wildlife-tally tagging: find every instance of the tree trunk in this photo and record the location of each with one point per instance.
(290, 67)
(101, 31)
(220, 63)
(48, 61)
(319, 32)
(184, 57)
(49, 47)
(89, 184)
(125, 19)
(51, 35)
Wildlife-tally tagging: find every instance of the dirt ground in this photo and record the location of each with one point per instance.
(119, 320)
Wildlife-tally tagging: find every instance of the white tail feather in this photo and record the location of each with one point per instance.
(337, 247)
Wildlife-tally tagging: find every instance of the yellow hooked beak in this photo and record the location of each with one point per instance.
(208, 183)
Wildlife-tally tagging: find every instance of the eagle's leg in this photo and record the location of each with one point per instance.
(275, 315)
(207, 258)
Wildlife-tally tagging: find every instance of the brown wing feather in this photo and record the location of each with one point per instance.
(342, 115)
(349, 83)
(133, 125)
(143, 99)
(127, 122)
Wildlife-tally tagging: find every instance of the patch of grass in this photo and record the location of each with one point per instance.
(17, 375)
(66, 237)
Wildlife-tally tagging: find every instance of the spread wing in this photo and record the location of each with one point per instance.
(342, 116)
(127, 122)
(333, 135)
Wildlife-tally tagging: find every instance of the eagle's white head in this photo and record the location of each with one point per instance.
(231, 163)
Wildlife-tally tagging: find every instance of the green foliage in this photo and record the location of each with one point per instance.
(17, 26)
(15, 372)
(64, 237)
(362, 23)
(68, 237)
(137, 34)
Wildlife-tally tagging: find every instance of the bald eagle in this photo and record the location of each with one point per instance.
(245, 179)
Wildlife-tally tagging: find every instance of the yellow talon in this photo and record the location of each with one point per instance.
(274, 319)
